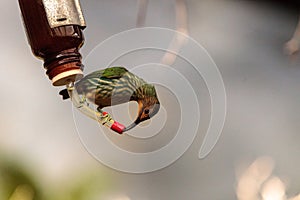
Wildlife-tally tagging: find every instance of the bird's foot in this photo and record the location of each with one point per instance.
(106, 119)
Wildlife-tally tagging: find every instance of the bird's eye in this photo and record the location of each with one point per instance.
(146, 111)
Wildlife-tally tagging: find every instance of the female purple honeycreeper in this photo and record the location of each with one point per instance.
(116, 85)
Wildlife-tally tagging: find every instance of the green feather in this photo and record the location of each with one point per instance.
(108, 73)
(114, 72)
(148, 90)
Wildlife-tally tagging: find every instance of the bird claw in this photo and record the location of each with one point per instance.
(106, 119)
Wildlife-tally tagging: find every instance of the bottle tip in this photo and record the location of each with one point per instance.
(66, 77)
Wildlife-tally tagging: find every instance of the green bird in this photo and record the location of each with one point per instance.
(116, 85)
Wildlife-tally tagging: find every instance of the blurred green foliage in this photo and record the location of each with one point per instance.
(17, 183)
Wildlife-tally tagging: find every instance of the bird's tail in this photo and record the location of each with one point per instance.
(64, 93)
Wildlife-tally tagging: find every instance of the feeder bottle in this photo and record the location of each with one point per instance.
(54, 32)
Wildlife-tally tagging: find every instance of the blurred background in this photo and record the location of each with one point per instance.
(257, 156)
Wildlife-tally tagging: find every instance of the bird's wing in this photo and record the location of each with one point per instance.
(104, 74)
(114, 72)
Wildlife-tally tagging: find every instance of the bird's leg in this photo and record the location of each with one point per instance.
(104, 116)
(106, 119)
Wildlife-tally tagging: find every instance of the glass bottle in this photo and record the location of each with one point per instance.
(54, 31)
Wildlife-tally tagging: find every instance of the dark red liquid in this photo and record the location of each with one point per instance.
(58, 47)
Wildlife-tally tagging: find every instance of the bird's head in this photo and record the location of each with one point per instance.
(148, 105)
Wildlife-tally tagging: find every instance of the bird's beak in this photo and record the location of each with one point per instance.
(141, 117)
(131, 126)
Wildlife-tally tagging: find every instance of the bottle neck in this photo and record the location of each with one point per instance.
(64, 67)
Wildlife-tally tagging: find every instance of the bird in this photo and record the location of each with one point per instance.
(116, 85)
